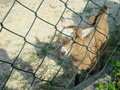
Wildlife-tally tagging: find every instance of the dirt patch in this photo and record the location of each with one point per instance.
(19, 21)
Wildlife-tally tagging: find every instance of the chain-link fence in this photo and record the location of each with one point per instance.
(48, 46)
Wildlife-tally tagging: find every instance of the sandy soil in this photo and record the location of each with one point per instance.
(19, 21)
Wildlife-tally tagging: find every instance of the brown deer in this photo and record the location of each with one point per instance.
(86, 44)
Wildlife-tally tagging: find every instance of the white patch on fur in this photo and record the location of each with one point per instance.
(69, 32)
(63, 49)
(86, 32)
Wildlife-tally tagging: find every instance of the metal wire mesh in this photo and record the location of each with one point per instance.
(47, 47)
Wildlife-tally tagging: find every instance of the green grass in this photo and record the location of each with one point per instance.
(114, 84)
(53, 7)
(57, 36)
(6, 76)
(15, 77)
(67, 11)
(96, 8)
(49, 37)
(54, 82)
(6, 88)
(114, 38)
(113, 42)
(88, 10)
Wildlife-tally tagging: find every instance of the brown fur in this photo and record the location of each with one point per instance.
(85, 58)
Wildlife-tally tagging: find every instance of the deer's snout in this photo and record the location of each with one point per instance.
(63, 51)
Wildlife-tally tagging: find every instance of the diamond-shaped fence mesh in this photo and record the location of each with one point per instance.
(42, 67)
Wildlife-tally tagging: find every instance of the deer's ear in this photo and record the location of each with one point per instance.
(87, 31)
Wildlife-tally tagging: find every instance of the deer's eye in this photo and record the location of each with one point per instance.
(66, 41)
(63, 42)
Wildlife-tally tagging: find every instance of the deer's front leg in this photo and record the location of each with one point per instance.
(77, 79)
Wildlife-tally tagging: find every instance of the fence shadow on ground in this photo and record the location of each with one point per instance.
(4, 67)
(53, 54)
